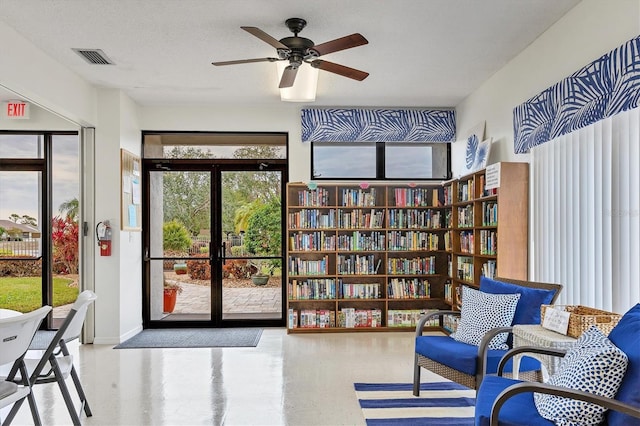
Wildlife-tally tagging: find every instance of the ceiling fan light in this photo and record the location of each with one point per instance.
(305, 86)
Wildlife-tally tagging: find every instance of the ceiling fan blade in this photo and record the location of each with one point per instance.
(288, 77)
(339, 69)
(346, 42)
(265, 37)
(244, 61)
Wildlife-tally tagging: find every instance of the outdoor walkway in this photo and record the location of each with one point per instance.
(197, 299)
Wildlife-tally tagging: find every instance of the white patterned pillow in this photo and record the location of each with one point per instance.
(593, 364)
(481, 312)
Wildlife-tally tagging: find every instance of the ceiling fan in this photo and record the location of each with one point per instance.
(297, 50)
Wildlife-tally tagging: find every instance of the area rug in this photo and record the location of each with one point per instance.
(440, 403)
(193, 338)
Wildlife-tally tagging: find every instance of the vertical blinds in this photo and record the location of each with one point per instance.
(586, 213)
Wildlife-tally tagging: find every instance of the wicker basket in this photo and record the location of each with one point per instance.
(583, 317)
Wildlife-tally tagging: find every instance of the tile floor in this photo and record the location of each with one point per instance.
(297, 379)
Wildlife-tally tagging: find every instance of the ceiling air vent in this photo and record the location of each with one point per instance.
(94, 56)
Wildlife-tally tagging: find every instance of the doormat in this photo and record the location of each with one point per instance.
(193, 338)
(440, 403)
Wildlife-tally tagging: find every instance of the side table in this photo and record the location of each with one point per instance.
(536, 335)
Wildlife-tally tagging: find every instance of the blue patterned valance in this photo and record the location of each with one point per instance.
(378, 125)
(601, 89)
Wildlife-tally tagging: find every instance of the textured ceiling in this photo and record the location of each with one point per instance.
(429, 53)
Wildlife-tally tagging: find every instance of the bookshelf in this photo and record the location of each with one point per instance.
(489, 231)
(364, 259)
(375, 258)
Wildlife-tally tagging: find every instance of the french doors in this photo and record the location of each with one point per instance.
(210, 226)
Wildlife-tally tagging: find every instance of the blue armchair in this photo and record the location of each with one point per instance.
(504, 401)
(463, 363)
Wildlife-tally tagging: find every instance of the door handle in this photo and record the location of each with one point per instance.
(220, 253)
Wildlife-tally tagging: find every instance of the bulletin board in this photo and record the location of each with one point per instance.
(130, 191)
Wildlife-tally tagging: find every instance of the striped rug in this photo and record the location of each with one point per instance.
(440, 403)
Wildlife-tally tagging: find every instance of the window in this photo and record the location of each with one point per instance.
(214, 145)
(380, 160)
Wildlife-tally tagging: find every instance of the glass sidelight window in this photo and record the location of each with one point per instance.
(39, 221)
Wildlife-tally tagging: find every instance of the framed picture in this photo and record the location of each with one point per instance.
(482, 154)
(474, 138)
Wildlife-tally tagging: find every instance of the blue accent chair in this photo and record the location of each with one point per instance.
(464, 363)
(504, 401)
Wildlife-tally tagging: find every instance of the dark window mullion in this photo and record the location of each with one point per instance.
(380, 160)
(47, 216)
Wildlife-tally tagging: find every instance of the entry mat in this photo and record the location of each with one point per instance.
(193, 338)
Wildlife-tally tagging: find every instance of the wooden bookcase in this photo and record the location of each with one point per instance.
(375, 258)
(368, 259)
(489, 231)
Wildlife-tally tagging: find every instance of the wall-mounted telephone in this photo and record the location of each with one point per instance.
(103, 232)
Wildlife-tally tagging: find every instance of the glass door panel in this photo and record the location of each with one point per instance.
(65, 224)
(21, 278)
(179, 246)
(213, 229)
(251, 245)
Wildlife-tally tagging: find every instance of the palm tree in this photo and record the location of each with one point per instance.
(70, 208)
(243, 213)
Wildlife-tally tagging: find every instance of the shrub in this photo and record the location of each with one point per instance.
(238, 268)
(263, 229)
(64, 234)
(199, 269)
(29, 268)
(176, 237)
(237, 250)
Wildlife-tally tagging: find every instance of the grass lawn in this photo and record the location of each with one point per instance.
(24, 294)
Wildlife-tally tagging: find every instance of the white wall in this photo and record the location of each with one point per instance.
(130, 246)
(107, 207)
(589, 30)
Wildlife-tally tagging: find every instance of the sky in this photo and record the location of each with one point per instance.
(19, 190)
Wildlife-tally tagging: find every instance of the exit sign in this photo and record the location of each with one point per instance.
(16, 109)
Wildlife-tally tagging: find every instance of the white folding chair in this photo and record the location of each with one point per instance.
(56, 363)
(16, 334)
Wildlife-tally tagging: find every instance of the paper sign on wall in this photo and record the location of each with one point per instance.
(492, 176)
(556, 320)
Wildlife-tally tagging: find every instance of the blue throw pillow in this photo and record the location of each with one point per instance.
(528, 309)
(593, 364)
(626, 336)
